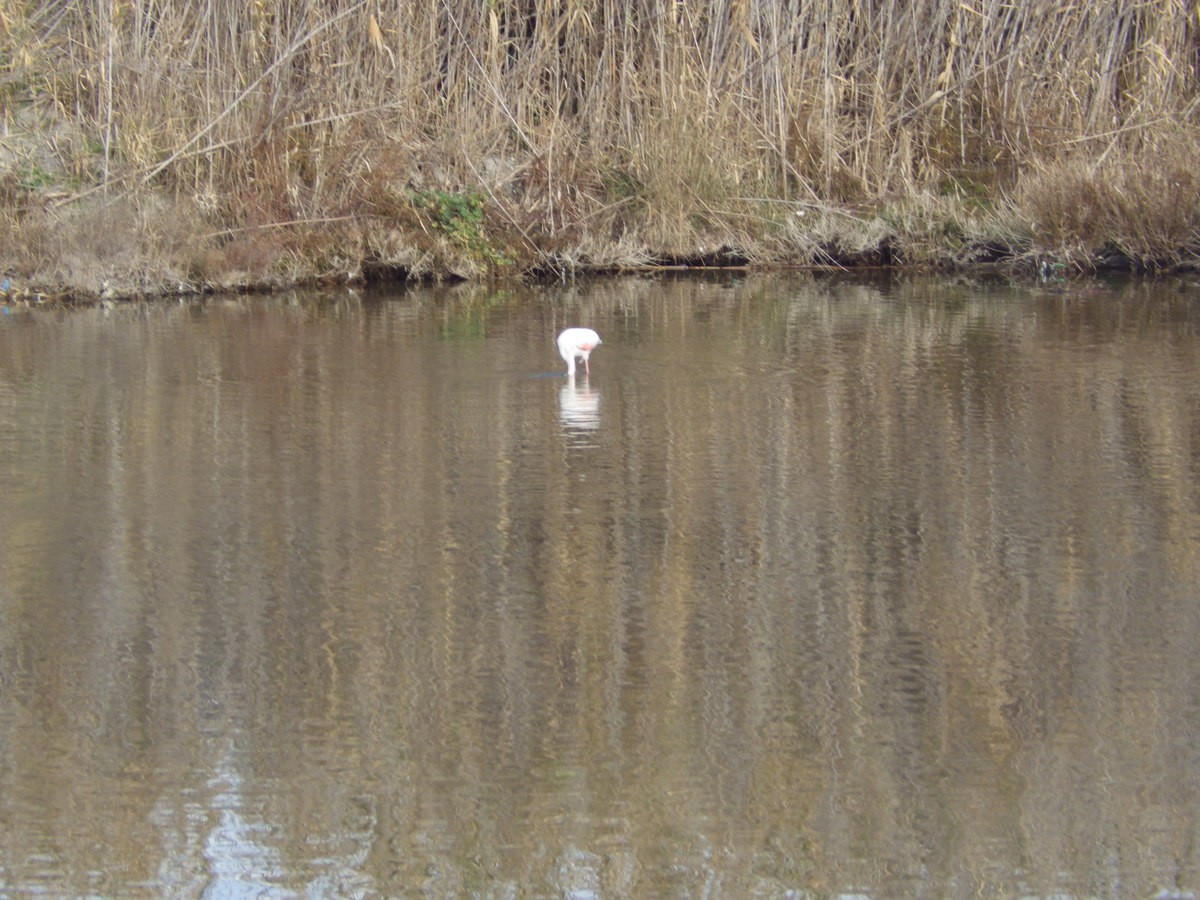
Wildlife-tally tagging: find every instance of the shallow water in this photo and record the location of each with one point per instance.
(814, 588)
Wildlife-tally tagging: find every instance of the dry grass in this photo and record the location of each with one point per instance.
(1140, 203)
(297, 139)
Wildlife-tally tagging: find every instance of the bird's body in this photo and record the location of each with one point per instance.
(577, 343)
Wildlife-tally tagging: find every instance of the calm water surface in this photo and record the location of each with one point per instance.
(813, 589)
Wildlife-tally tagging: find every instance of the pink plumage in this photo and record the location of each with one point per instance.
(577, 343)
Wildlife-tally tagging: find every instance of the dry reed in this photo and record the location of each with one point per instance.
(308, 139)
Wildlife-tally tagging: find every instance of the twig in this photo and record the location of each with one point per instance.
(320, 220)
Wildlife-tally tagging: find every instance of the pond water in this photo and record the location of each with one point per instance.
(815, 588)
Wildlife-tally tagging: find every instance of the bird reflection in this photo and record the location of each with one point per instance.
(578, 406)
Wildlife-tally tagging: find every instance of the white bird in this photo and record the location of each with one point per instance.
(577, 342)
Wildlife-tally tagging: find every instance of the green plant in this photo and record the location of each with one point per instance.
(621, 184)
(460, 217)
(33, 177)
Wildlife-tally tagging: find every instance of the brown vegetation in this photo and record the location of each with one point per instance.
(177, 146)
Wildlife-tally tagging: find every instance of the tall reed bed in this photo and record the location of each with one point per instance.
(306, 136)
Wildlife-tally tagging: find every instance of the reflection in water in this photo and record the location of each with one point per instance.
(579, 406)
(861, 590)
(242, 862)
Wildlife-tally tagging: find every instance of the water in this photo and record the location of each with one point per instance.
(815, 588)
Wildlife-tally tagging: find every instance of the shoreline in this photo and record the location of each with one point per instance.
(79, 275)
(17, 293)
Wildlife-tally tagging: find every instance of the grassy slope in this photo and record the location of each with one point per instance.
(178, 147)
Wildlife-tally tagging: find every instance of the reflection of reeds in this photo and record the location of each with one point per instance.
(294, 136)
